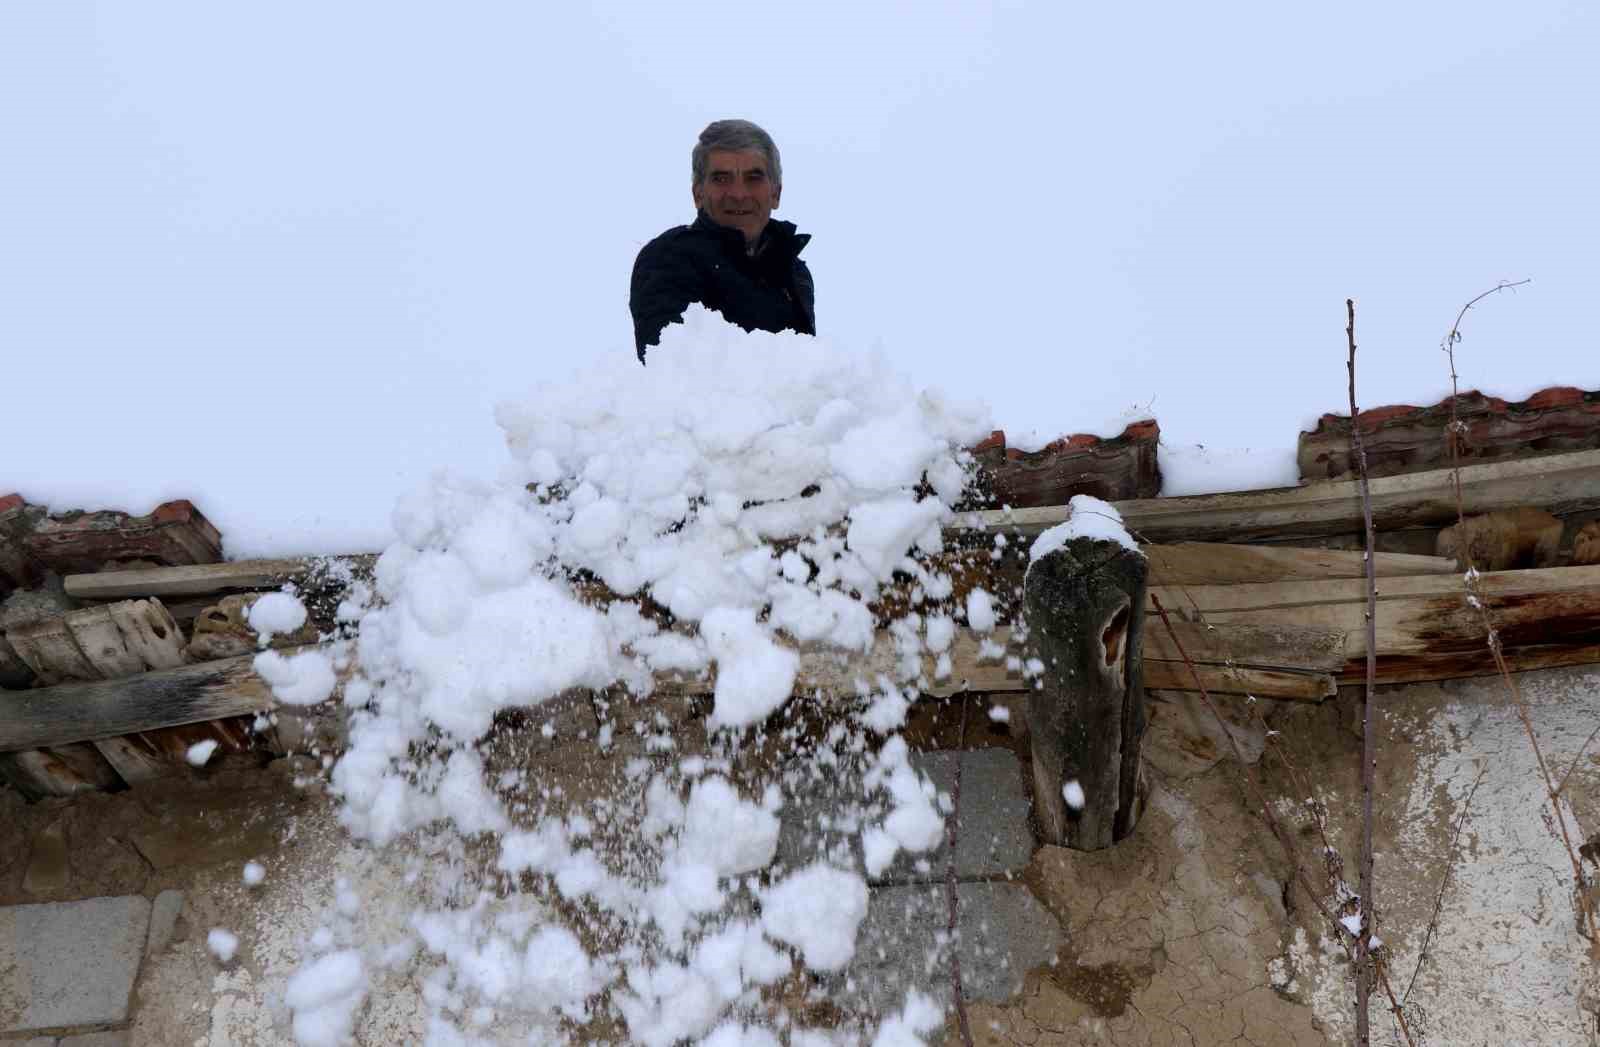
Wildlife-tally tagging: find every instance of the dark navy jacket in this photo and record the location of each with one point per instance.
(771, 290)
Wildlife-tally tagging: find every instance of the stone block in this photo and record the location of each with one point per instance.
(70, 963)
(994, 836)
(1002, 929)
(164, 912)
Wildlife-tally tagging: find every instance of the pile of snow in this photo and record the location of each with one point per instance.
(762, 489)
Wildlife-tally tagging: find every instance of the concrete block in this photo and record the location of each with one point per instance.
(995, 837)
(70, 963)
(163, 920)
(1003, 932)
(108, 1038)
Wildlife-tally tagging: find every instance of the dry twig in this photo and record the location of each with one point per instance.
(1369, 742)
(1340, 932)
(1477, 600)
(1444, 882)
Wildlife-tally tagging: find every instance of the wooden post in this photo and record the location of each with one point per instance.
(1084, 606)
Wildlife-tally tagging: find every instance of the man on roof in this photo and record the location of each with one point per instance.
(734, 259)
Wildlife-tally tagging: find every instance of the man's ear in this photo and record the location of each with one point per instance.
(777, 194)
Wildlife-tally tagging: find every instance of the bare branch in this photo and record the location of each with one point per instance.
(1579, 756)
(1444, 882)
(1588, 922)
(1369, 742)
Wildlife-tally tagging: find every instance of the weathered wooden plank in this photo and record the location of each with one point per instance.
(107, 708)
(1410, 627)
(1222, 563)
(1418, 668)
(1165, 675)
(150, 632)
(163, 753)
(1561, 483)
(1209, 598)
(206, 579)
(49, 649)
(101, 641)
(1268, 645)
(1442, 625)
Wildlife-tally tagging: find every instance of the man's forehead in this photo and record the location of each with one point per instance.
(736, 160)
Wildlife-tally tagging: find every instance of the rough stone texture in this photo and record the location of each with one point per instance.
(69, 964)
(1004, 933)
(164, 912)
(995, 837)
(108, 1038)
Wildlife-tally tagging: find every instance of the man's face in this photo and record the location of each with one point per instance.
(738, 191)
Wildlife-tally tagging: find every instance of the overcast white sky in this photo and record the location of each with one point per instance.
(288, 256)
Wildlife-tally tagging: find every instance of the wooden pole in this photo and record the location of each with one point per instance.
(1084, 607)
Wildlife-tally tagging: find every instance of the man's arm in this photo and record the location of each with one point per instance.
(806, 289)
(664, 284)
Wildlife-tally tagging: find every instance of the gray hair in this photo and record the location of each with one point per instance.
(734, 136)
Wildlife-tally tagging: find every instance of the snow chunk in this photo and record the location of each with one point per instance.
(276, 613)
(919, 1017)
(818, 910)
(1072, 792)
(325, 995)
(882, 532)
(754, 675)
(980, 610)
(199, 754)
(558, 975)
(1090, 518)
(306, 678)
(732, 835)
(222, 943)
(255, 874)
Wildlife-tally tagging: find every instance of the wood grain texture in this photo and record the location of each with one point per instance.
(1222, 563)
(1166, 675)
(204, 579)
(107, 708)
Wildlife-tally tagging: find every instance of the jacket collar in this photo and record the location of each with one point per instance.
(778, 236)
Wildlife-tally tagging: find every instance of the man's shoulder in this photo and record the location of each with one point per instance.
(679, 237)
